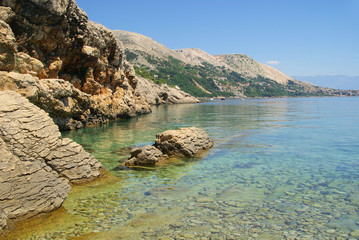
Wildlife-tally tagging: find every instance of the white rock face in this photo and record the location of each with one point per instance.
(36, 165)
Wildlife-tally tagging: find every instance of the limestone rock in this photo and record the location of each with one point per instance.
(37, 165)
(3, 220)
(69, 107)
(26, 64)
(183, 142)
(145, 156)
(54, 39)
(6, 14)
(7, 47)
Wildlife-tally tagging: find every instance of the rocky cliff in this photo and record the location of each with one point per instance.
(55, 40)
(37, 165)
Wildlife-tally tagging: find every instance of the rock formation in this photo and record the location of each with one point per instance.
(68, 106)
(54, 39)
(37, 165)
(184, 142)
(145, 156)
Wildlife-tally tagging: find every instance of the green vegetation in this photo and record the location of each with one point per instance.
(200, 81)
(130, 56)
(176, 73)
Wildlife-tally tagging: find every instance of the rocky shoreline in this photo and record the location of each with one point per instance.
(37, 166)
(59, 71)
(71, 67)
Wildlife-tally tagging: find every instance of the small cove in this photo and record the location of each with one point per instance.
(279, 169)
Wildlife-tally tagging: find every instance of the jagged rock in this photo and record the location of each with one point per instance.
(26, 64)
(6, 14)
(145, 156)
(59, 34)
(37, 165)
(183, 142)
(51, 39)
(69, 107)
(7, 47)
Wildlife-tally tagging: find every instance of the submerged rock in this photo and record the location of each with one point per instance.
(37, 165)
(184, 142)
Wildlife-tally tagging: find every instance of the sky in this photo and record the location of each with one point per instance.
(298, 37)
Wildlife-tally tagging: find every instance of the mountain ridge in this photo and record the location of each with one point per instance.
(203, 75)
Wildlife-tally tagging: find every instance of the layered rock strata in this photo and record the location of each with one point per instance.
(184, 142)
(37, 165)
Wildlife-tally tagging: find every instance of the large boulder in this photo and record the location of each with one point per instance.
(145, 156)
(37, 165)
(183, 142)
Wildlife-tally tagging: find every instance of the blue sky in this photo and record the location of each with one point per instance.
(298, 37)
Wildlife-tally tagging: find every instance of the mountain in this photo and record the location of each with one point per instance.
(204, 75)
(138, 46)
(246, 66)
(336, 81)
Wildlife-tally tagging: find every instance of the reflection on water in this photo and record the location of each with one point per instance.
(279, 169)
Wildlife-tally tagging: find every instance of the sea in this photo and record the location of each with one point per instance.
(280, 168)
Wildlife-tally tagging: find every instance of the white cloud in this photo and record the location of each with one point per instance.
(273, 62)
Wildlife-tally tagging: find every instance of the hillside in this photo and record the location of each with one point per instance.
(204, 75)
(138, 46)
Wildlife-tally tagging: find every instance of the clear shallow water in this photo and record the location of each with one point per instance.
(279, 169)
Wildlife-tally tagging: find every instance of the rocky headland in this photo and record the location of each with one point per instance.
(184, 142)
(74, 69)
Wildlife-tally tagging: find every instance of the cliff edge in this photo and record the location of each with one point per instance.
(55, 40)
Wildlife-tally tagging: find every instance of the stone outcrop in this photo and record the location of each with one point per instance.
(37, 165)
(69, 107)
(184, 142)
(54, 39)
(162, 94)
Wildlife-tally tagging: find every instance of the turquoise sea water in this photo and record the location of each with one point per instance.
(280, 169)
